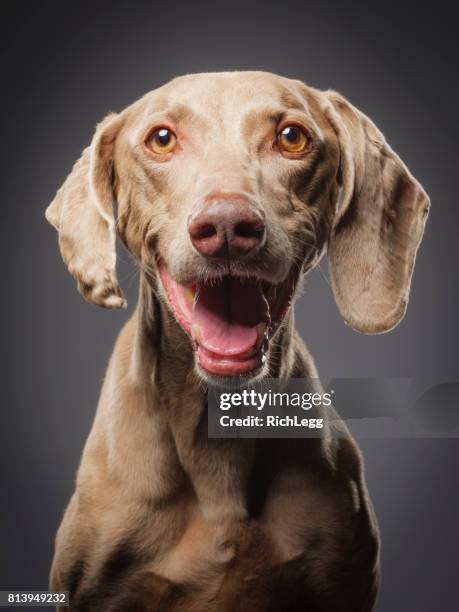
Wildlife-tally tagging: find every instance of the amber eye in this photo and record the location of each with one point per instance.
(292, 139)
(161, 141)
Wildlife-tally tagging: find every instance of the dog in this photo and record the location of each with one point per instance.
(229, 188)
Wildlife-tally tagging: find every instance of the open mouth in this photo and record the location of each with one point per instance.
(230, 319)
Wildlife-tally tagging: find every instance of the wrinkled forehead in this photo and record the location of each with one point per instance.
(227, 99)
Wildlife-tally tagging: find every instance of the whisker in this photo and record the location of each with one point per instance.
(324, 276)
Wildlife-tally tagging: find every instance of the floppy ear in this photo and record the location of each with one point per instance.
(82, 213)
(378, 223)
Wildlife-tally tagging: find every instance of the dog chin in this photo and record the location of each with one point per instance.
(230, 381)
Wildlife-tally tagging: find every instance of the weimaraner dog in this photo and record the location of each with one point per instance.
(229, 188)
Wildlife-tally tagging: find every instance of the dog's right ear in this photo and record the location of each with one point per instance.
(82, 213)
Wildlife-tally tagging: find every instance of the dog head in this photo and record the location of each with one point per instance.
(230, 186)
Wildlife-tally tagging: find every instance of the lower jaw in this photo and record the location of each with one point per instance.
(217, 365)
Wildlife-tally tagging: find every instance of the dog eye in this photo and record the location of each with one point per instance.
(292, 139)
(161, 141)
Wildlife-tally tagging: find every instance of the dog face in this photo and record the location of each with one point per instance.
(230, 186)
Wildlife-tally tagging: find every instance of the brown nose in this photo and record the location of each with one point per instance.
(227, 228)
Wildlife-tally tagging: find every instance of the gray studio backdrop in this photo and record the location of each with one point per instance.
(64, 66)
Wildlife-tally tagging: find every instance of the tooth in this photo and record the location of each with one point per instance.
(190, 292)
(196, 332)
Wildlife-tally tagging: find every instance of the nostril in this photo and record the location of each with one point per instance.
(203, 230)
(246, 229)
(207, 237)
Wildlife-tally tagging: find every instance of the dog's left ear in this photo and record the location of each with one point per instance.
(378, 225)
(82, 213)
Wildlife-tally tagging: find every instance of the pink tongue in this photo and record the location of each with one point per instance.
(225, 316)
